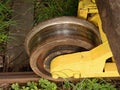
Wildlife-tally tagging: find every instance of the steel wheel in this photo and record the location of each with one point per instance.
(56, 37)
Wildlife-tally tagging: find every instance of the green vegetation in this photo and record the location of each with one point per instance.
(47, 9)
(85, 84)
(90, 84)
(5, 20)
(41, 84)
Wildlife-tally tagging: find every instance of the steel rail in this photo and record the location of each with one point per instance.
(19, 77)
(24, 77)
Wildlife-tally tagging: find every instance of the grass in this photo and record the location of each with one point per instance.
(85, 84)
(5, 19)
(47, 9)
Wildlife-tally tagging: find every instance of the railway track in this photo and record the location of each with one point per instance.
(8, 78)
(23, 77)
(19, 77)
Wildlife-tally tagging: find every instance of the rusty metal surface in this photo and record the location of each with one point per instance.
(59, 36)
(8, 78)
(19, 77)
(56, 21)
(110, 16)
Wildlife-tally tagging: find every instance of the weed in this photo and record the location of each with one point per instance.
(15, 86)
(5, 20)
(47, 85)
(47, 9)
(90, 84)
(41, 84)
(85, 84)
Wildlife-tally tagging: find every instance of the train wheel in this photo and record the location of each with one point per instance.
(56, 37)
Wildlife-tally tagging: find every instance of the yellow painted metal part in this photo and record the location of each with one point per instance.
(88, 63)
(84, 64)
(97, 21)
(86, 7)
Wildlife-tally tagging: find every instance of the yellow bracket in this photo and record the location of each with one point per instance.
(86, 7)
(84, 64)
(88, 63)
